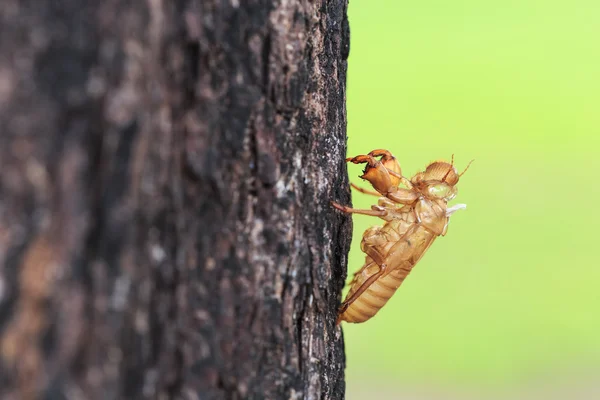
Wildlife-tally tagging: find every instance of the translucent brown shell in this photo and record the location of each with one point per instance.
(415, 212)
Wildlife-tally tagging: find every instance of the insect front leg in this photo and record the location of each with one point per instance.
(377, 173)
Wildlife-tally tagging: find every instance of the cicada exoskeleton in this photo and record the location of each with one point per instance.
(416, 213)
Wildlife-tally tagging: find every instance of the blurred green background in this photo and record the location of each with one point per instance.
(507, 305)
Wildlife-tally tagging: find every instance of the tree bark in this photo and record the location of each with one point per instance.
(166, 172)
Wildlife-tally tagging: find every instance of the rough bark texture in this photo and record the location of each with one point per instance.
(166, 169)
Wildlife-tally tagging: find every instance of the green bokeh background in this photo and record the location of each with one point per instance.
(507, 305)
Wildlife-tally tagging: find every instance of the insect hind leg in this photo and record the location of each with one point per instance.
(344, 306)
(371, 251)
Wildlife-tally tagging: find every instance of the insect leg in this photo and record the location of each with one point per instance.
(403, 179)
(403, 196)
(374, 213)
(379, 259)
(380, 152)
(362, 288)
(365, 191)
(372, 252)
(371, 161)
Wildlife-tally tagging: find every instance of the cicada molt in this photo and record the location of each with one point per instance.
(415, 212)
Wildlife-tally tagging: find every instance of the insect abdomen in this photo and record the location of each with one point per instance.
(401, 257)
(375, 297)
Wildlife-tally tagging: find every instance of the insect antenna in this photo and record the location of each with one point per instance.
(467, 167)
(449, 169)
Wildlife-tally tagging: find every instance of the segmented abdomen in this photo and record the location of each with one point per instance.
(400, 258)
(375, 297)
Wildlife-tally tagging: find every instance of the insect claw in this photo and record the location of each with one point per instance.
(338, 206)
(343, 307)
(361, 158)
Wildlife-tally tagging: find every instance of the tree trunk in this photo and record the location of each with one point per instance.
(166, 172)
